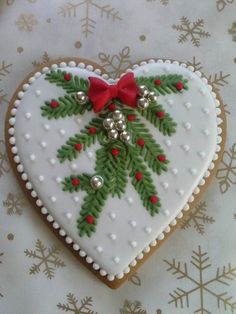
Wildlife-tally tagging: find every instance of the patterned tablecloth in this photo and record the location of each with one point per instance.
(194, 271)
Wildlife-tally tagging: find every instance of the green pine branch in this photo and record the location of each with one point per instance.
(165, 125)
(167, 85)
(74, 85)
(69, 151)
(83, 185)
(68, 106)
(145, 187)
(151, 150)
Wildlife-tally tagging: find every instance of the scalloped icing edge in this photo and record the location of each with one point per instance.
(61, 232)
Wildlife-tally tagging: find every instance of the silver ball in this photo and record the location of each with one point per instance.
(143, 91)
(108, 123)
(124, 136)
(143, 103)
(96, 182)
(120, 125)
(81, 97)
(152, 96)
(113, 134)
(117, 115)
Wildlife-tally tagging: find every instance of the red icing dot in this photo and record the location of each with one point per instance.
(67, 76)
(179, 86)
(92, 131)
(78, 146)
(153, 199)
(161, 158)
(112, 107)
(157, 82)
(160, 114)
(90, 219)
(141, 142)
(138, 176)
(54, 103)
(75, 181)
(131, 117)
(115, 152)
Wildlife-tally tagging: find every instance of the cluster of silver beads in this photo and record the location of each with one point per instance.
(145, 97)
(116, 127)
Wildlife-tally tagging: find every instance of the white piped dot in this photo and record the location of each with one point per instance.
(32, 157)
(53, 199)
(133, 244)
(180, 192)
(129, 200)
(116, 259)
(27, 136)
(112, 215)
(202, 91)
(12, 121)
(148, 230)
(20, 94)
(52, 161)
(76, 199)
(187, 105)
(166, 212)
(27, 115)
(90, 154)
(174, 171)
(41, 178)
(167, 143)
(58, 179)
(68, 216)
(145, 71)
(37, 92)
(76, 247)
(170, 102)
(202, 154)
(206, 110)
(62, 132)
(78, 120)
(112, 236)
(187, 126)
(206, 132)
(43, 144)
(133, 223)
(185, 148)
(165, 185)
(73, 166)
(193, 171)
(99, 249)
(46, 127)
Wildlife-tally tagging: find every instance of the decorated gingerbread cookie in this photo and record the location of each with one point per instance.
(113, 165)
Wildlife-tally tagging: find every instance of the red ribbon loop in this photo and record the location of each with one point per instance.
(126, 90)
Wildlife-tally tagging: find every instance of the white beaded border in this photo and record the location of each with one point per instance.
(39, 203)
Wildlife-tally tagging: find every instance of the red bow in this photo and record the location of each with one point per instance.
(125, 90)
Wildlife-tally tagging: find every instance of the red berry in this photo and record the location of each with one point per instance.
(67, 76)
(179, 86)
(92, 131)
(54, 104)
(161, 158)
(78, 146)
(138, 176)
(141, 142)
(75, 181)
(153, 199)
(112, 107)
(131, 117)
(157, 82)
(160, 114)
(115, 152)
(90, 219)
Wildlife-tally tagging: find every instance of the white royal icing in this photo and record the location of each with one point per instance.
(125, 231)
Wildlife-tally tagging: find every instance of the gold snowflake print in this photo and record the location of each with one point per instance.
(226, 173)
(85, 306)
(47, 259)
(115, 64)
(197, 218)
(232, 31)
(87, 9)
(45, 59)
(221, 4)
(26, 22)
(3, 97)
(202, 284)
(14, 204)
(4, 162)
(192, 31)
(4, 69)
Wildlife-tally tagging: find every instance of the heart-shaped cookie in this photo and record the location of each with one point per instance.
(112, 165)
